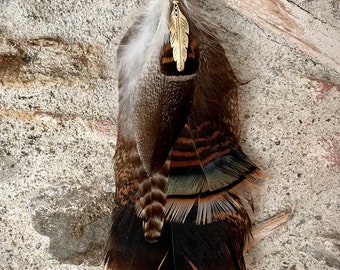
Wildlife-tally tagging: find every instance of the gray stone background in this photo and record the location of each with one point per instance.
(58, 105)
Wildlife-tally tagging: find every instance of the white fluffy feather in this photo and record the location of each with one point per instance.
(143, 47)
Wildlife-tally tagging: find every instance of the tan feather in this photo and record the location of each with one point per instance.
(179, 40)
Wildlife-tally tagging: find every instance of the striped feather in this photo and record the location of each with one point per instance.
(205, 164)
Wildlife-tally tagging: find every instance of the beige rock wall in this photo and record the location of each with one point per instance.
(58, 105)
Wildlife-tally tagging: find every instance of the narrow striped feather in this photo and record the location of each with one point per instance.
(206, 167)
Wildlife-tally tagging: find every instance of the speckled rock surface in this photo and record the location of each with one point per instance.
(58, 105)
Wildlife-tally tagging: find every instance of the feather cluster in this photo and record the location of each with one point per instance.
(182, 178)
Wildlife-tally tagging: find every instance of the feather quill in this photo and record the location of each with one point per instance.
(179, 40)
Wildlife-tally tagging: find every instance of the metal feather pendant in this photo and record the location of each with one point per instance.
(179, 39)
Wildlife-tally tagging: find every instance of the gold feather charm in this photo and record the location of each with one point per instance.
(179, 39)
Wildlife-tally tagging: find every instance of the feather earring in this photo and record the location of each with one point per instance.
(182, 179)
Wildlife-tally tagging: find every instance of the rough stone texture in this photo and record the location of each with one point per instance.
(58, 105)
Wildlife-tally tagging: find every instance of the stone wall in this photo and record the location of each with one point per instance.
(58, 107)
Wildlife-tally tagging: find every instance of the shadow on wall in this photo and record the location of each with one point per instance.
(76, 220)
